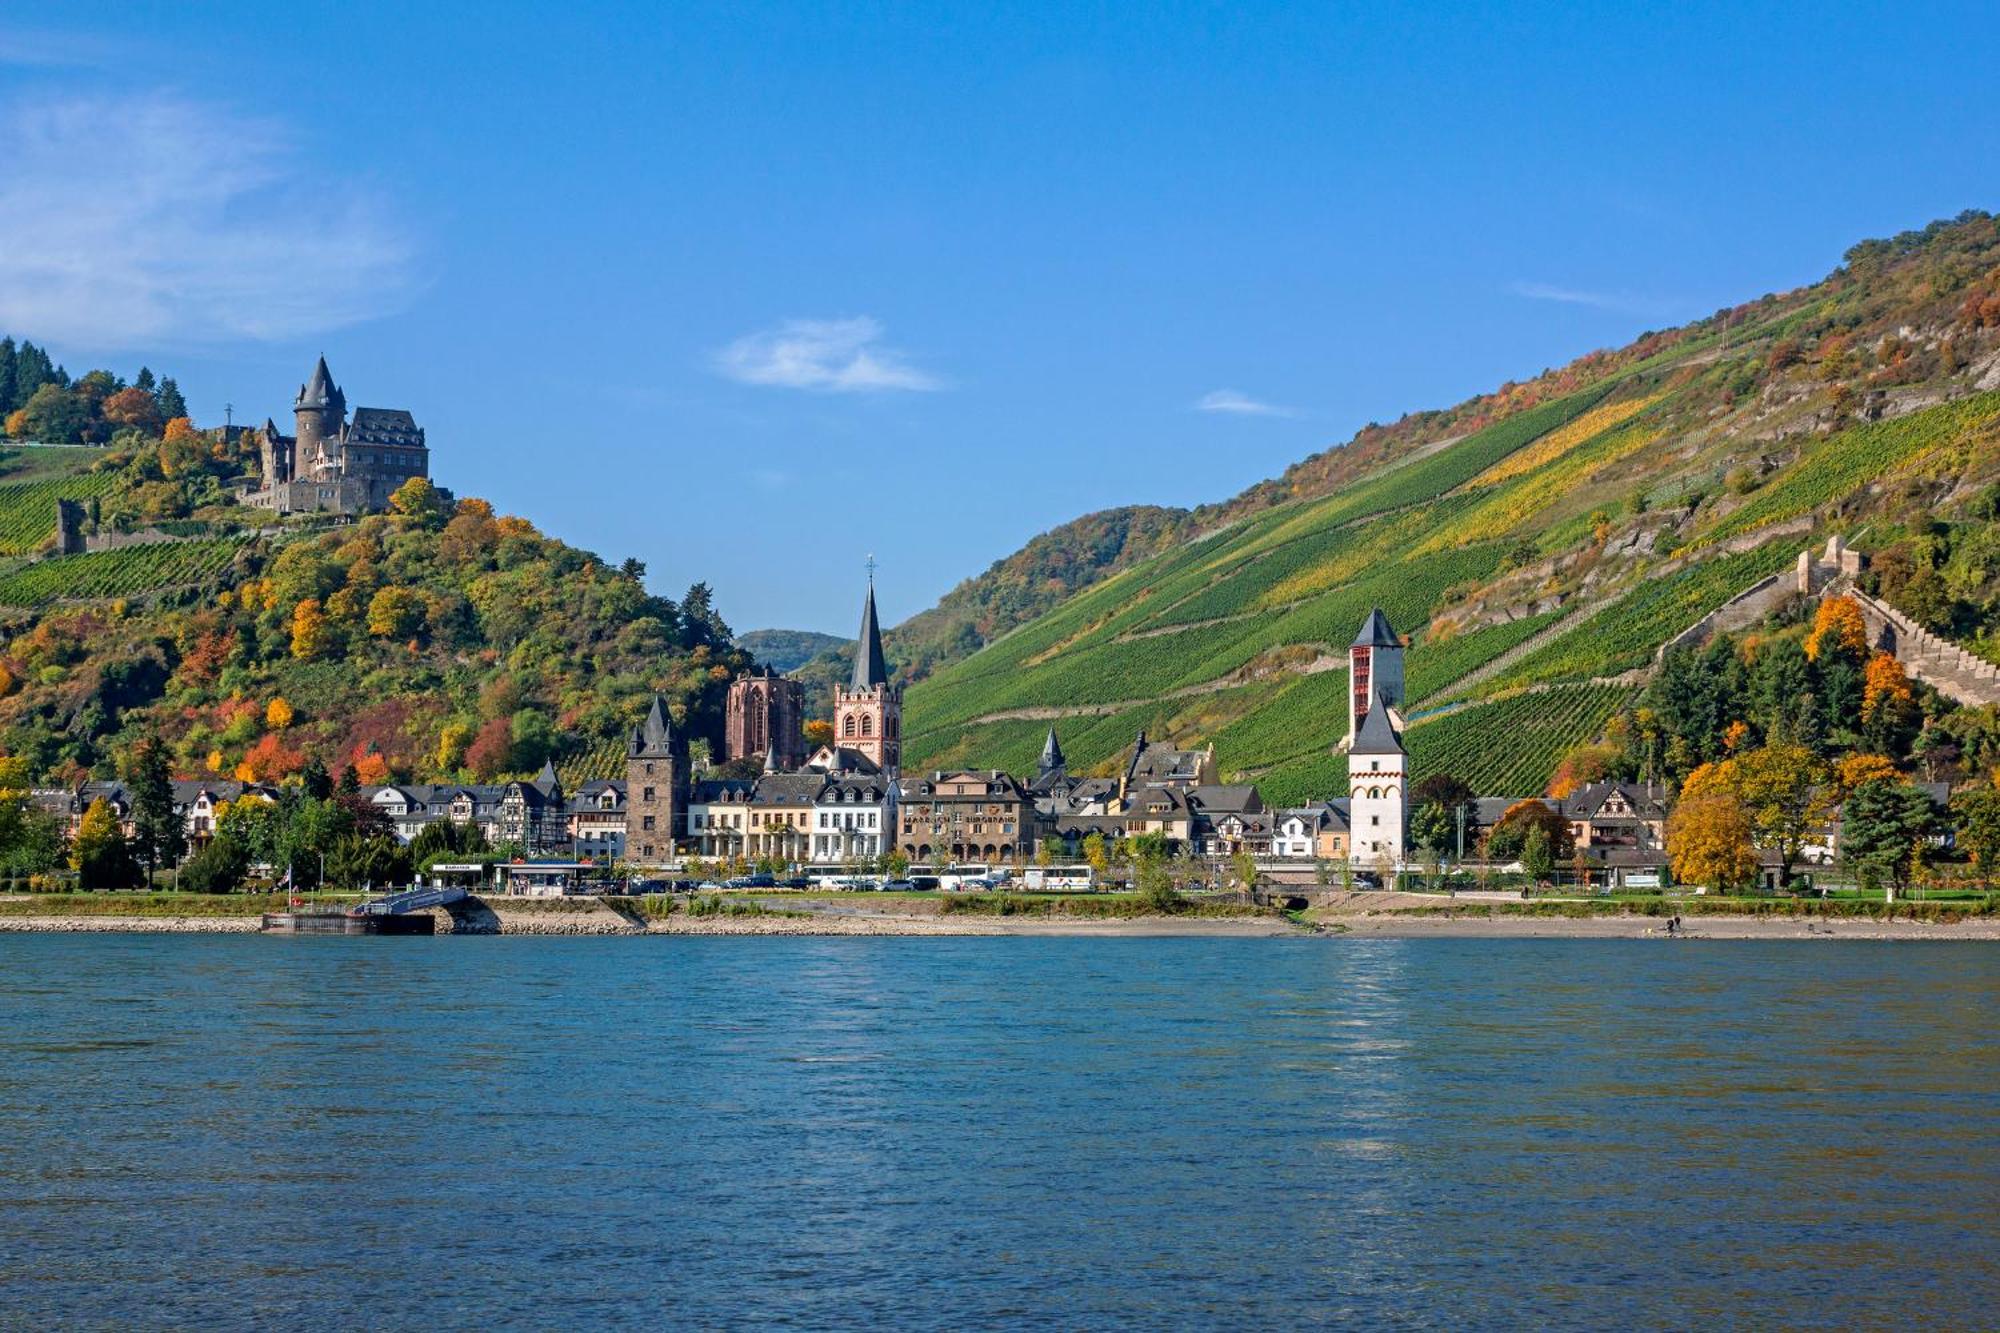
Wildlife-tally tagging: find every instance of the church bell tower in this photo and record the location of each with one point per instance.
(868, 710)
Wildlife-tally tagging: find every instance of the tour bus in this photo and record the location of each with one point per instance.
(1058, 879)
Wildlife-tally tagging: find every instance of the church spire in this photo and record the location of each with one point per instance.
(870, 669)
(1052, 755)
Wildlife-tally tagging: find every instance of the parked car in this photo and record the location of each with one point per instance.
(753, 882)
(795, 882)
(924, 883)
(899, 886)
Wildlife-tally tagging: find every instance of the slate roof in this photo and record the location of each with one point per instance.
(653, 738)
(321, 391)
(1240, 798)
(870, 668)
(1376, 734)
(1375, 632)
(385, 426)
(1052, 755)
(787, 789)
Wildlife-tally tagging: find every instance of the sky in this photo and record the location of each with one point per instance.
(755, 292)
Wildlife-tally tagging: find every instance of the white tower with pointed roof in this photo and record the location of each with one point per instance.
(1378, 780)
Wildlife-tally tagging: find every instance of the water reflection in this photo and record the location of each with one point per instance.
(970, 1132)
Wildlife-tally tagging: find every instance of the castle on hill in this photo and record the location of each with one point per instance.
(332, 464)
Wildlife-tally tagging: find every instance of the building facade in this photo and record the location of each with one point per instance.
(970, 815)
(1377, 763)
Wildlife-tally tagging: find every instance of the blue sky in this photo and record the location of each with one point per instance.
(752, 292)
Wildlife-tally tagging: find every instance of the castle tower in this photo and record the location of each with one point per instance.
(1374, 668)
(321, 410)
(655, 789)
(1377, 787)
(868, 711)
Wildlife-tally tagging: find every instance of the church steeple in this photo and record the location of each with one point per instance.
(870, 668)
(868, 710)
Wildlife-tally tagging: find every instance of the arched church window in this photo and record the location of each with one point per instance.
(867, 725)
(847, 725)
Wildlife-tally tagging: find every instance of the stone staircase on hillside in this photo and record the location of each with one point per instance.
(1939, 663)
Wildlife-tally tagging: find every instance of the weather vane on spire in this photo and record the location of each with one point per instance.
(871, 569)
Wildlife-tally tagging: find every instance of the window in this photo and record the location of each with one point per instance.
(867, 725)
(646, 794)
(646, 823)
(847, 725)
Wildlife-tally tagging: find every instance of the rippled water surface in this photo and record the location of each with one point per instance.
(961, 1133)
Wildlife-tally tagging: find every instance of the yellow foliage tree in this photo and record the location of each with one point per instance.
(395, 613)
(1708, 842)
(215, 761)
(1837, 623)
(453, 737)
(179, 429)
(1855, 769)
(311, 637)
(278, 713)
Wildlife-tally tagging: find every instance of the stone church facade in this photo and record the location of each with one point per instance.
(335, 465)
(765, 717)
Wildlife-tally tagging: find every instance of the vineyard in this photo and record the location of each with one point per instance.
(132, 571)
(28, 507)
(1630, 632)
(1510, 746)
(1839, 467)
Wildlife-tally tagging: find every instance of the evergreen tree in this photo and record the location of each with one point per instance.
(144, 381)
(7, 358)
(1885, 830)
(158, 835)
(318, 784)
(169, 398)
(33, 369)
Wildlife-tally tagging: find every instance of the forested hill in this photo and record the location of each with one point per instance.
(1547, 537)
(442, 641)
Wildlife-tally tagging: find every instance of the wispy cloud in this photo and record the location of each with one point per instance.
(828, 355)
(1238, 403)
(1623, 302)
(158, 218)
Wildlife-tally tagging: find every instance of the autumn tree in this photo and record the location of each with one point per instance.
(1579, 768)
(1837, 624)
(1784, 790)
(819, 732)
(1852, 770)
(1509, 836)
(1889, 713)
(418, 499)
(1976, 816)
(312, 638)
(395, 613)
(278, 713)
(99, 854)
(1709, 842)
(134, 408)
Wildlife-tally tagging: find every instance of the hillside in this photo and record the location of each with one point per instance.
(1548, 537)
(443, 642)
(788, 649)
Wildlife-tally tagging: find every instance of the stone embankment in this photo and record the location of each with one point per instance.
(129, 925)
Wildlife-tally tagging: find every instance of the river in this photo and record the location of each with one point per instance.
(954, 1133)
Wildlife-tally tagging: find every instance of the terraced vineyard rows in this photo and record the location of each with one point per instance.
(28, 508)
(1842, 464)
(131, 571)
(1510, 747)
(1627, 634)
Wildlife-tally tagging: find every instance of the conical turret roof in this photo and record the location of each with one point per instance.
(320, 390)
(547, 780)
(870, 668)
(654, 736)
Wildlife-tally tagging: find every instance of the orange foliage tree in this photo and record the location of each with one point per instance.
(1709, 841)
(1837, 623)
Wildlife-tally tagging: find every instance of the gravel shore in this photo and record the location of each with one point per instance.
(582, 916)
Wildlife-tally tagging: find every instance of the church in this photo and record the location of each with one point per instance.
(332, 464)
